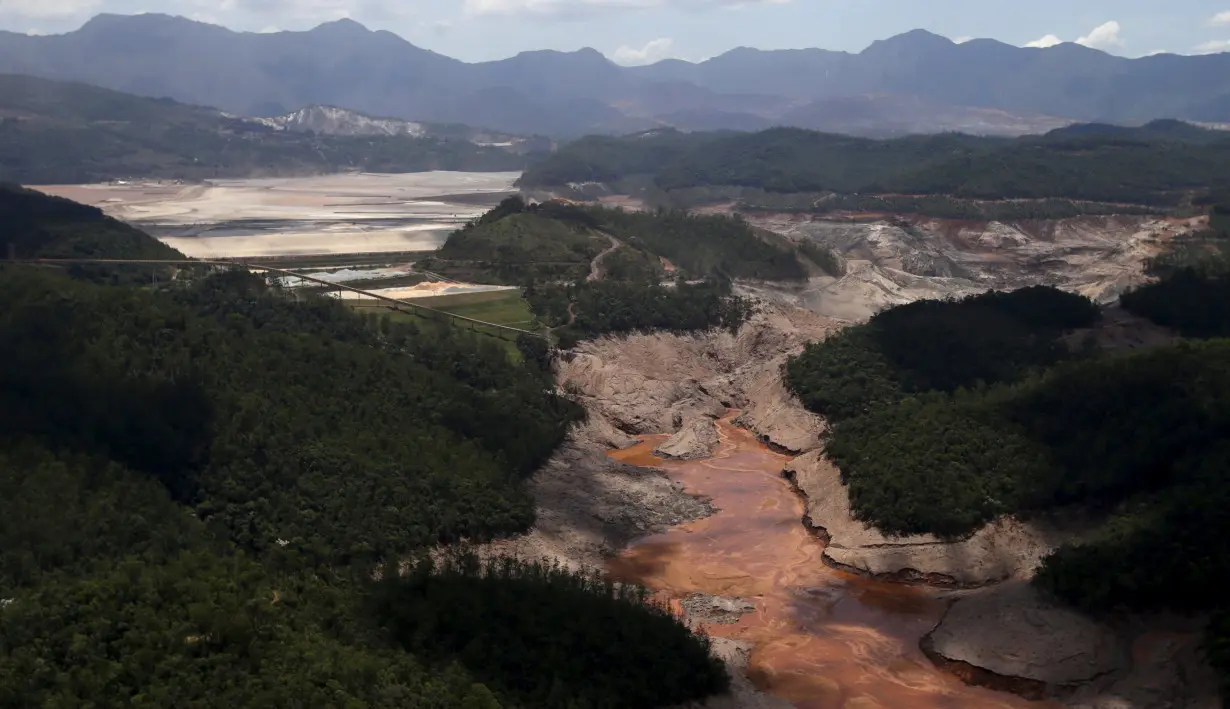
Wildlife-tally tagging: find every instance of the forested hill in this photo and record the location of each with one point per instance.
(518, 242)
(200, 478)
(53, 132)
(1157, 164)
(946, 415)
(36, 225)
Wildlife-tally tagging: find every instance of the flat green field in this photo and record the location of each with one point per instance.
(498, 307)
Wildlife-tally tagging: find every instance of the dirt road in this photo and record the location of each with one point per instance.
(595, 266)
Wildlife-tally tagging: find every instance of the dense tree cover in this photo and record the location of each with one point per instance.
(1143, 166)
(282, 421)
(35, 225)
(701, 245)
(1192, 295)
(1194, 300)
(516, 243)
(110, 595)
(1093, 432)
(1138, 440)
(935, 345)
(552, 241)
(491, 615)
(586, 309)
(60, 133)
(196, 480)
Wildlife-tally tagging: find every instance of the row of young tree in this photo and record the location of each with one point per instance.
(945, 416)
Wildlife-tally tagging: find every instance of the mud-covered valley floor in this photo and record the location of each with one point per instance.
(820, 621)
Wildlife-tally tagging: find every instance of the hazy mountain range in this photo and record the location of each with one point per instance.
(915, 82)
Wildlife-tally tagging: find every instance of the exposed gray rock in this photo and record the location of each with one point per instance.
(1013, 632)
(697, 439)
(716, 609)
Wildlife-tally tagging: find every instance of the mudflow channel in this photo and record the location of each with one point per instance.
(822, 639)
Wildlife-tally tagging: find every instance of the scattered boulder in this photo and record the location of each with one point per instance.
(697, 439)
(716, 609)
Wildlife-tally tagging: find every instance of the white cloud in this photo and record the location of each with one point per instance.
(1214, 47)
(1104, 36)
(1155, 52)
(586, 8)
(1221, 19)
(1049, 40)
(653, 51)
(963, 40)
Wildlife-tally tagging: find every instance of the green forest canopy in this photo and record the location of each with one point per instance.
(1157, 164)
(551, 249)
(1136, 439)
(197, 480)
(519, 243)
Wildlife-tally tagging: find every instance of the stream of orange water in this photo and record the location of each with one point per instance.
(822, 639)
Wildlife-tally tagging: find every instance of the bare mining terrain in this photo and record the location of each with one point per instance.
(890, 260)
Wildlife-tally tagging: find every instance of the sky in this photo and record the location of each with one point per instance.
(644, 31)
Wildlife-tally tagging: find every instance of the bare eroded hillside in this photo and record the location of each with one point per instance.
(890, 260)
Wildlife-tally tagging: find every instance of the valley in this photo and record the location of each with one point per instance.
(824, 613)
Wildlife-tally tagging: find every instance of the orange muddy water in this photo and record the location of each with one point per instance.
(822, 639)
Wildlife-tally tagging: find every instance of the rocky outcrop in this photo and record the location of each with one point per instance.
(1005, 549)
(1034, 639)
(697, 439)
(590, 506)
(1012, 638)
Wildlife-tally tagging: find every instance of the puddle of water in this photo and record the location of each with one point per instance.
(822, 639)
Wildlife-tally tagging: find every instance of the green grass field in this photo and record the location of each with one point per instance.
(498, 307)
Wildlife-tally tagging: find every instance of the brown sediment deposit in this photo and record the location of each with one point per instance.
(830, 627)
(821, 639)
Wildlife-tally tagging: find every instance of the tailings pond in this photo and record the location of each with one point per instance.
(823, 639)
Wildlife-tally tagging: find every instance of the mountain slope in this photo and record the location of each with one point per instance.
(1156, 164)
(568, 94)
(53, 132)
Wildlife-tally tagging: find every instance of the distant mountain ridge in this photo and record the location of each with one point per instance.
(981, 86)
(66, 132)
(1162, 165)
